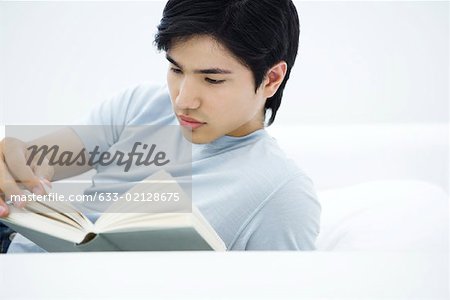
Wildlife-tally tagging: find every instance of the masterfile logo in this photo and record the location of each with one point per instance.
(68, 158)
(113, 161)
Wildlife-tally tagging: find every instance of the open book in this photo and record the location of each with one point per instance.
(60, 227)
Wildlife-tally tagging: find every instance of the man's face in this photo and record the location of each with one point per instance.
(212, 93)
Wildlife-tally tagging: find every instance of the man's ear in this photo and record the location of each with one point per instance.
(274, 78)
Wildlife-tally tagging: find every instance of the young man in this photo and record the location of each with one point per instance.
(229, 62)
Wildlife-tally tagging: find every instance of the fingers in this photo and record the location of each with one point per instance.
(7, 184)
(44, 171)
(12, 157)
(9, 188)
(16, 173)
(4, 210)
(15, 160)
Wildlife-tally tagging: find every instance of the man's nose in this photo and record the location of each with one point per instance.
(188, 96)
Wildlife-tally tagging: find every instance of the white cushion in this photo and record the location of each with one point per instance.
(385, 215)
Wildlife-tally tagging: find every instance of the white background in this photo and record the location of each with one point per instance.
(359, 62)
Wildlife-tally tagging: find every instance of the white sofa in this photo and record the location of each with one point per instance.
(382, 187)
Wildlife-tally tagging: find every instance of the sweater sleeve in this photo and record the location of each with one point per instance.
(103, 125)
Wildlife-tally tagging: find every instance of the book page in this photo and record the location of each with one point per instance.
(122, 217)
(48, 224)
(55, 218)
(125, 213)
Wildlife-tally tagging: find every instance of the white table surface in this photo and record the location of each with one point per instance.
(226, 275)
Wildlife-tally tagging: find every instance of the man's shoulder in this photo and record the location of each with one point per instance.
(267, 154)
(147, 102)
(265, 167)
(148, 91)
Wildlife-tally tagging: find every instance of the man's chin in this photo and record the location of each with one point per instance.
(196, 137)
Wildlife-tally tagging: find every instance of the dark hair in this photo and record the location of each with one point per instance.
(260, 33)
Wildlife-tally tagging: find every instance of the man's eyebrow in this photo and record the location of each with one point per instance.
(203, 71)
(172, 61)
(213, 71)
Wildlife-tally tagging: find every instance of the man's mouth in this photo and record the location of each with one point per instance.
(190, 122)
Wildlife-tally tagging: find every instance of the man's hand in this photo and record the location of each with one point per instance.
(15, 173)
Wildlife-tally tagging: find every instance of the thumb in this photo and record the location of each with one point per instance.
(45, 172)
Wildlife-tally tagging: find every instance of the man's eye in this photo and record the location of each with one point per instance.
(212, 81)
(176, 71)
